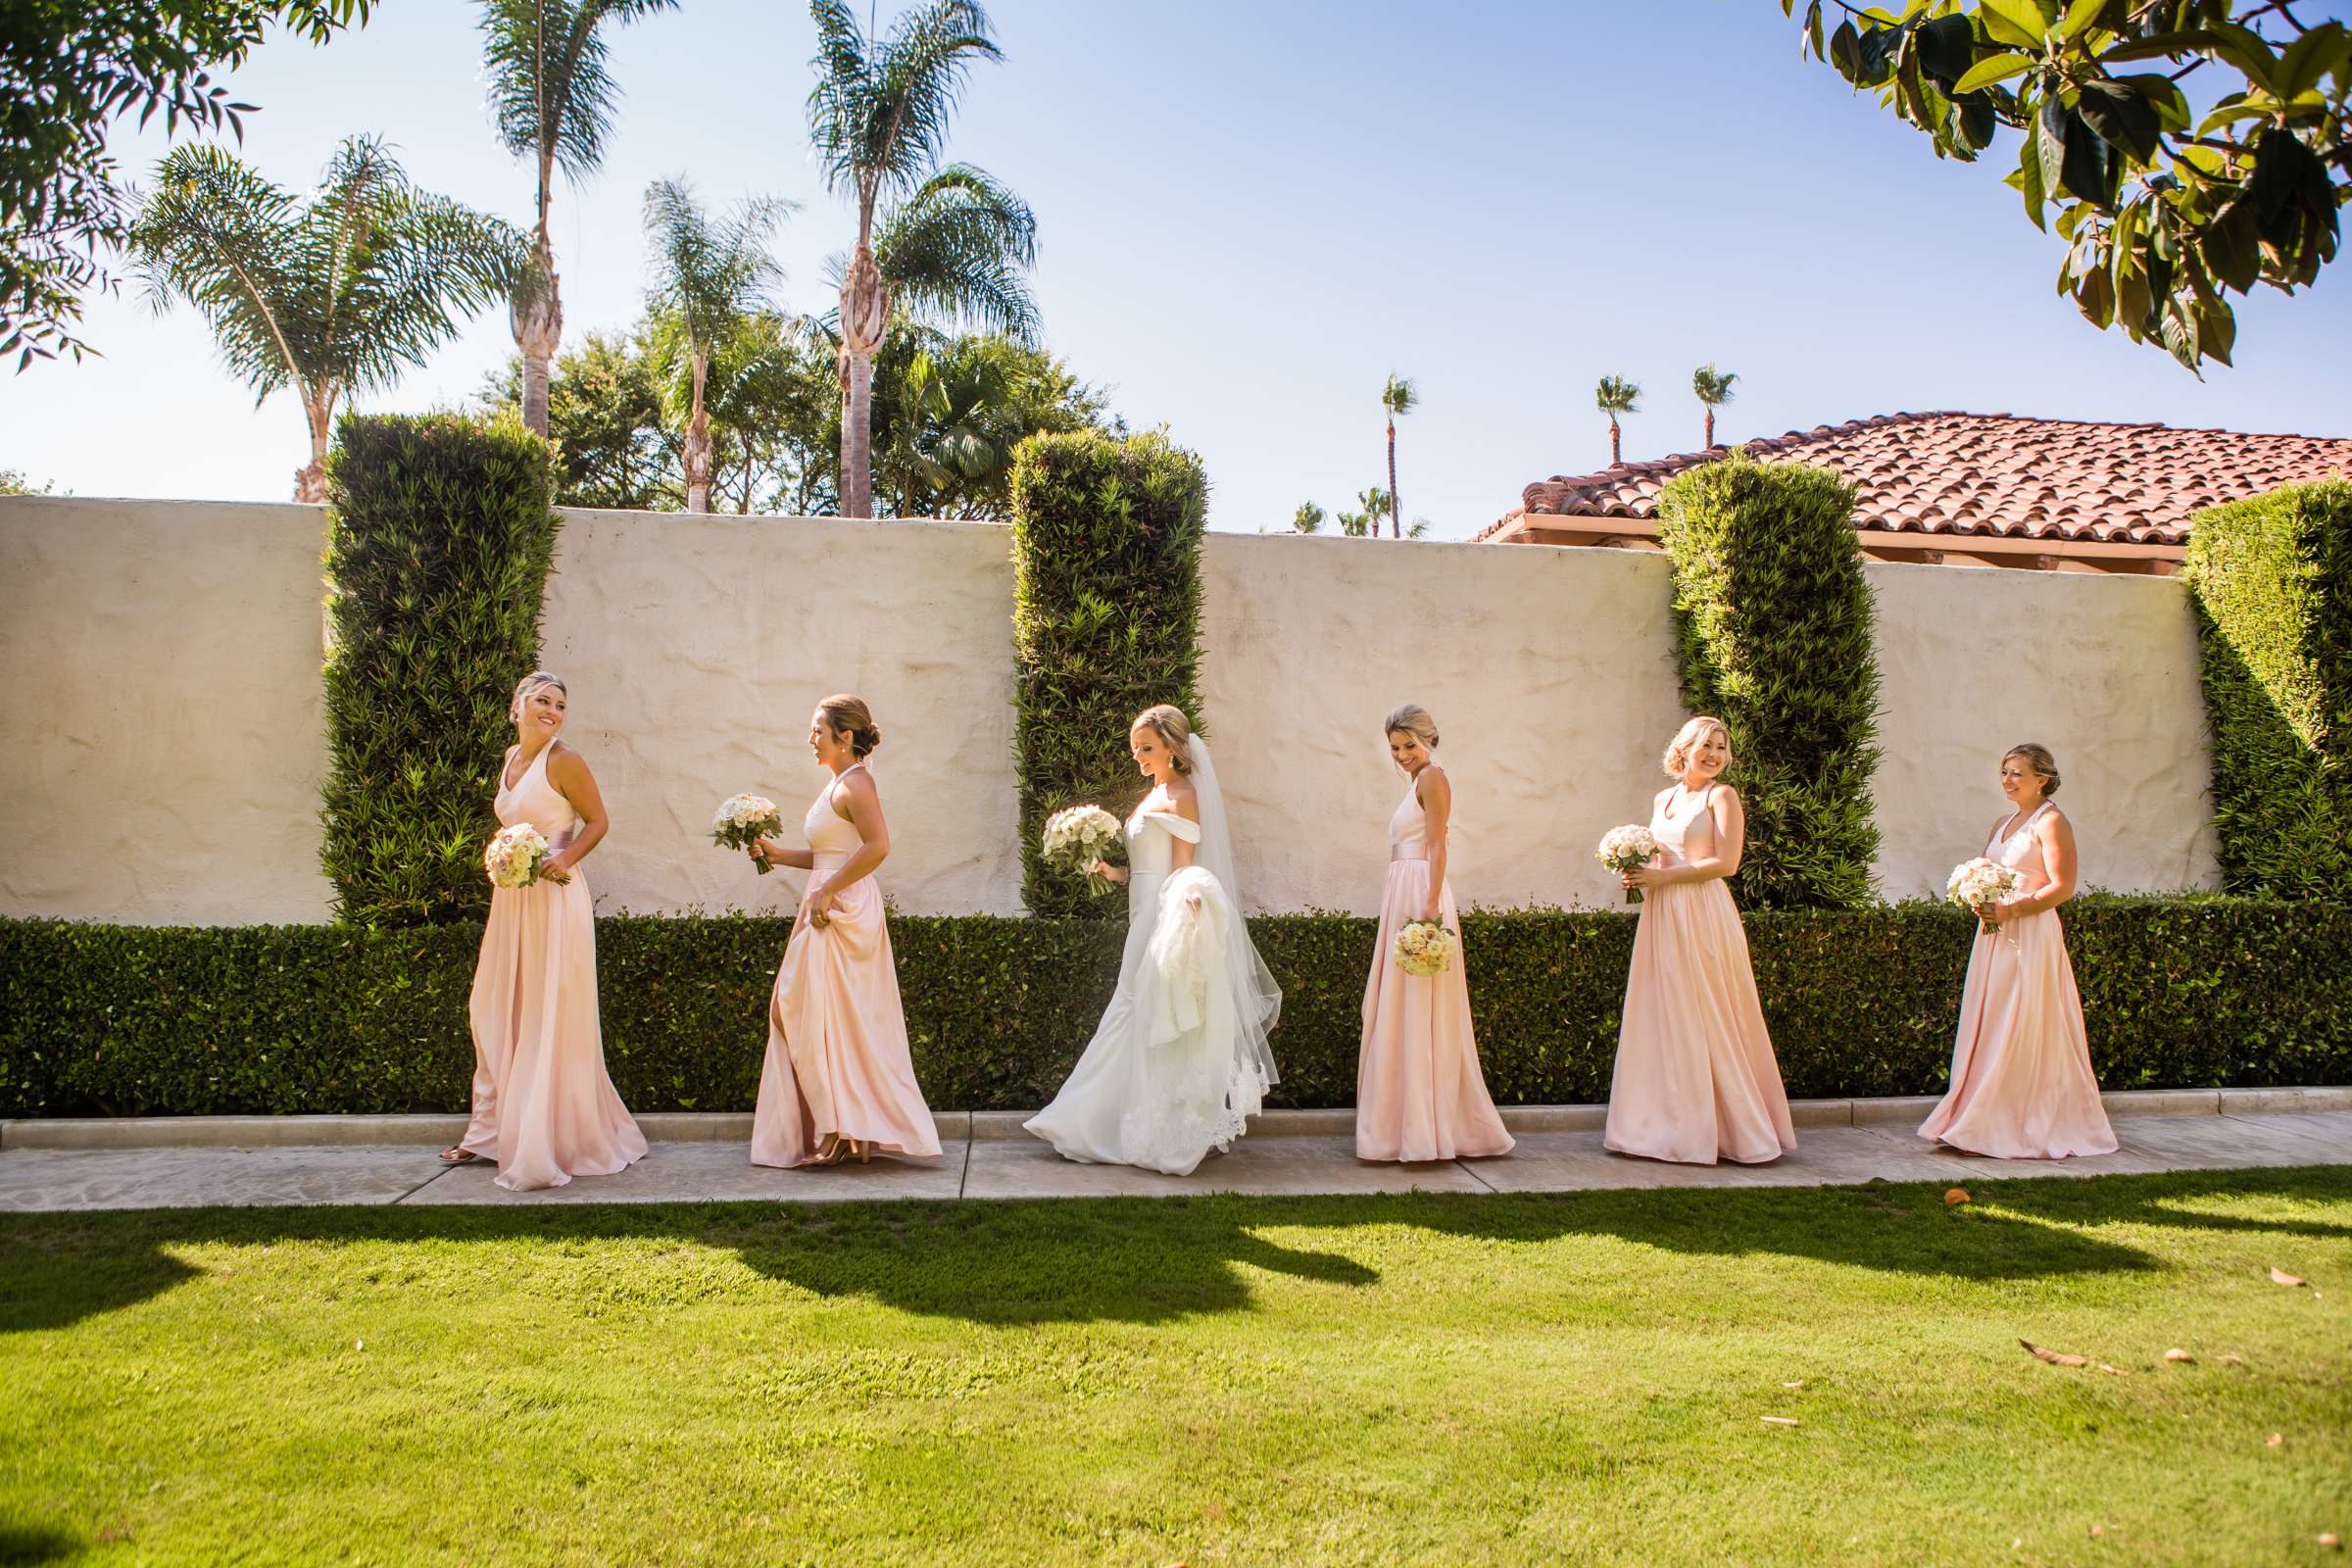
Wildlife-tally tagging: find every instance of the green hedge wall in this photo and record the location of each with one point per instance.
(1774, 623)
(1105, 622)
(440, 533)
(2273, 582)
(138, 1020)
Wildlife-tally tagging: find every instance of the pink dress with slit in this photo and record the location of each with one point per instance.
(2022, 1082)
(1419, 1093)
(543, 1105)
(1696, 1078)
(838, 1063)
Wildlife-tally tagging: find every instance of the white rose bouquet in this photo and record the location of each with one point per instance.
(1424, 948)
(1626, 848)
(1977, 883)
(742, 822)
(515, 856)
(1078, 836)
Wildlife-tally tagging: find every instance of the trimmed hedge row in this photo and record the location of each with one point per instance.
(1105, 622)
(440, 532)
(142, 1020)
(2273, 582)
(1773, 622)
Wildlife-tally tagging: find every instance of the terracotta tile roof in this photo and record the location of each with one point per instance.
(1993, 473)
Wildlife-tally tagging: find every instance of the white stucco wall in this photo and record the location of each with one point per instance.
(159, 676)
(695, 649)
(2102, 671)
(1550, 671)
(160, 733)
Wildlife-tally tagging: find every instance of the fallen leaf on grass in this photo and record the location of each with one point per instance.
(2276, 1439)
(2180, 1355)
(1956, 1195)
(2233, 1358)
(1780, 1420)
(2331, 1541)
(2042, 1352)
(2280, 1276)
(1799, 1384)
(2121, 1372)
(2097, 1531)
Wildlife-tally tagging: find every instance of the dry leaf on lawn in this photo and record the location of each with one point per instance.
(1956, 1195)
(2120, 1372)
(2233, 1358)
(2178, 1355)
(1799, 1384)
(2280, 1276)
(2042, 1352)
(1780, 1420)
(2276, 1439)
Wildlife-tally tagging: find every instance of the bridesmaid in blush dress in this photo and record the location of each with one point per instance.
(2022, 1084)
(542, 1106)
(839, 1077)
(1419, 1093)
(1696, 1078)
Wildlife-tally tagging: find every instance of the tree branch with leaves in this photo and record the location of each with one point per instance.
(2167, 208)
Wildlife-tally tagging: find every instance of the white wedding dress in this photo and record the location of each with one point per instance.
(1179, 1062)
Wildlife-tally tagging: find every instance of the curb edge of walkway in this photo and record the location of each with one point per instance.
(995, 1126)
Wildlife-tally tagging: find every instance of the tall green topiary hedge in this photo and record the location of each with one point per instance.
(1774, 623)
(440, 533)
(2273, 580)
(1105, 622)
(2177, 993)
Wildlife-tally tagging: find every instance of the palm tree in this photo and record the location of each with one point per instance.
(955, 244)
(1714, 389)
(333, 297)
(1616, 395)
(1396, 398)
(553, 101)
(1308, 518)
(714, 279)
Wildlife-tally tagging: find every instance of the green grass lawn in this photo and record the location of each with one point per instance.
(1220, 1379)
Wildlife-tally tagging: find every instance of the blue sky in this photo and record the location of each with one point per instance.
(1250, 212)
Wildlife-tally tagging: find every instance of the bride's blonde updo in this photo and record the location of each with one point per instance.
(1175, 731)
(538, 680)
(1689, 738)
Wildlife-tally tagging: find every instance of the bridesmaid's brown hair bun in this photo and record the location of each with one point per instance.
(2038, 759)
(848, 717)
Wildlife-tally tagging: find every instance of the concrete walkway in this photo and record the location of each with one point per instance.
(264, 1161)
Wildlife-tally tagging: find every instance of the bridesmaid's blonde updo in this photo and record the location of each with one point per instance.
(847, 716)
(2038, 759)
(1414, 720)
(538, 680)
(1175, 731)
(1689, 738)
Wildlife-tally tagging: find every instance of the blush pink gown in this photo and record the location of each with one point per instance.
(542, 1106)
(2022, 1084)
(1696, 1078)
(1419, 1093)
(838, 1061)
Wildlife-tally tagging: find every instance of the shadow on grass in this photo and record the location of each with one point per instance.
(21, 1544)
(1150, 1260)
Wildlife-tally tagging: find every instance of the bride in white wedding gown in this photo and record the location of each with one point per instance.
(1179, 1062)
